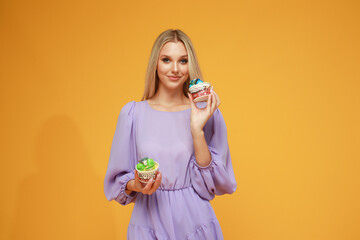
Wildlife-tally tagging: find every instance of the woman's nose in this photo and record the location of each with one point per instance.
(175, 67)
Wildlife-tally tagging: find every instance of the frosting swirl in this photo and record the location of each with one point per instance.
(195, 81)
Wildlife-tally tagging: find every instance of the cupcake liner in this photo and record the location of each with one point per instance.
(145, 176)
(201, 99)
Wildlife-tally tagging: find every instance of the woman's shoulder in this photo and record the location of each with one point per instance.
(129, 107)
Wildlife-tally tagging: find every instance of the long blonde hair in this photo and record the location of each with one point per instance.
(152, 79)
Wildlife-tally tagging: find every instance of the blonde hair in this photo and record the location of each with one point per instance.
(152, 79)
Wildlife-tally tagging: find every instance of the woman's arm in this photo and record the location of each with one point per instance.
(198, 120)
(218, 177)
(202, 153)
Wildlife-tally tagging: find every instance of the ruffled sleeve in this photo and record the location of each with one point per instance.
(218, 177)
(122, 157)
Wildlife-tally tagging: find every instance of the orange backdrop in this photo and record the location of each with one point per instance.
(287, 74)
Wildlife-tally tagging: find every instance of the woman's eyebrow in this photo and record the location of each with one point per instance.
(170, 57)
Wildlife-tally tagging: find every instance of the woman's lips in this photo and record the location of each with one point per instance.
(173, 77)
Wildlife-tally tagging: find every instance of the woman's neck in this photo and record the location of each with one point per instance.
(168, 98)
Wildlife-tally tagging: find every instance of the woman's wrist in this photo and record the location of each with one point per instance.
(196, 131)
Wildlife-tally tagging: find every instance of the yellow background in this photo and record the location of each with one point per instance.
(287, 74)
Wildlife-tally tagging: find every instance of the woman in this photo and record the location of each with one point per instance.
(187, 139)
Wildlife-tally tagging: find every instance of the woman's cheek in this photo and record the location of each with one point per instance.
(164, 68)
(184, 68)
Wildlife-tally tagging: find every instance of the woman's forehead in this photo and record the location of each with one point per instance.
(173, 48)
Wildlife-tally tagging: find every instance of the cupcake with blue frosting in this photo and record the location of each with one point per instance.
(199, 90)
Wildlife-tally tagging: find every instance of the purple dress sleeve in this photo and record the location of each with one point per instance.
(122, 158)
(218, 177)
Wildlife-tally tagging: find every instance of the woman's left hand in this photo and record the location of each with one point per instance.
(199, 116)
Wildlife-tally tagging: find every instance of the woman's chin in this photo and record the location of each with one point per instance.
(174, 85)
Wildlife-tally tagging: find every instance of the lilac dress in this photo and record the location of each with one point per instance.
(179, 208)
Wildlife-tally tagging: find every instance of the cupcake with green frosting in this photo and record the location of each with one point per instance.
(147, 168)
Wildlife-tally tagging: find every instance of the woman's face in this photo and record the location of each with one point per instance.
(172, 66)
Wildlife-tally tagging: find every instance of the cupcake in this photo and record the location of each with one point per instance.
(199, 90)
(147, 168)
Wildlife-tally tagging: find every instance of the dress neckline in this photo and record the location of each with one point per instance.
(147, 103)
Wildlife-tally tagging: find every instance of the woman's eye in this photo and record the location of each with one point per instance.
(184, 60)
(165, 60)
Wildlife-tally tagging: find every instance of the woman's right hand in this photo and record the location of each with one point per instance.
(148, 188)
